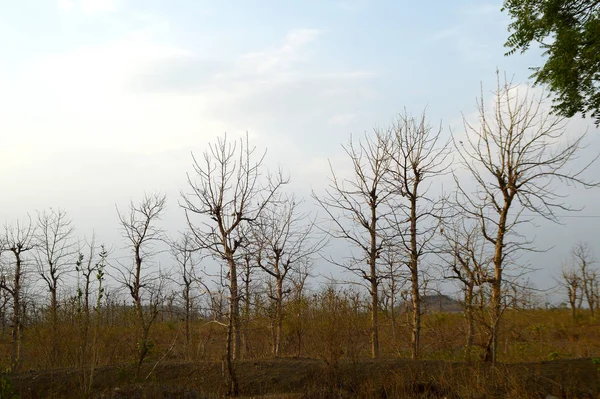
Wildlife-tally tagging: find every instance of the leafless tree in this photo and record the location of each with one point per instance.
(228, 192)
(417, 155)
(18, 240)
(99, 267)
(572, 282)
(357, 207)
(55, 254)
(284, 237)
(87, 267)
(184, 253)
(395, 281)
(248, 273)
(468, 262)
(139, 228)
(584, 258)
(514, 154)
(299, 302)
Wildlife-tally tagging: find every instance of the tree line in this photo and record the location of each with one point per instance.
(506, 165)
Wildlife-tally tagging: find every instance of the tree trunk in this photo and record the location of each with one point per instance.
(54, 323)
(414, 277)
(373, 280)
(374, 318)
(246, 311)
(233, 342)
(416, 317)
(187, 321)
(233, 328)
(496, 300)
(142, 344)
(393, 308)
(469, 320)
(16, 319)
(278, 318)
(234, 310)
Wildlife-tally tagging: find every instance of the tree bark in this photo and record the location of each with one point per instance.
(279, 315)
(414, 279)
(17, 330)
(496, 300)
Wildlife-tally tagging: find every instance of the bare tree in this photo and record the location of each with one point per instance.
(468, 262)
(55, 253)
(572, 282)
(248, 272)
(515, 157)
(183, 252)
(139, 228)
(228, 192)
(89, 268)
(584, 258)
(300, 302)
(284, 237)
(99, 267)
(357, 206)
(417, 155)
(18, 239)
(86, 268)
(395, 281)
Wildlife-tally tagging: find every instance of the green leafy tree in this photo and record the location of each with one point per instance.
(569, 33)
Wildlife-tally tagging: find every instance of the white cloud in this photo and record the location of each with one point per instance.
(65, 5)
(351, 5)
(483, 9)
(95, 98)
(344, 119)
(80, 99)
(279, 59)
(443, 34)
(89, 7)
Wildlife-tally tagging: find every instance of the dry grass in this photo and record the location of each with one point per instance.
(326, 346)
(384, 378)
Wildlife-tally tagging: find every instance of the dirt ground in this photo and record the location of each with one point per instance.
(310, 378)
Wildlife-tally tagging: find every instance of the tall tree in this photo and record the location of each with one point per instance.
(55, 254)
(569, 33)
(184, 253)
(571, 280)
(87, 269)
(583, 259)
(517, 155)
(139, 228)
(228, 192)
(467, 261)
(284, 237)
(18, 240)
(417, 155)
(357, 206)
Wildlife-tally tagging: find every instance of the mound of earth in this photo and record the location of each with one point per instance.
(310, 378)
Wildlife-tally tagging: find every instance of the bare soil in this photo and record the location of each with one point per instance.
(310, 378)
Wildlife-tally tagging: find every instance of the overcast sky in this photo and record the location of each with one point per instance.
(103, 100)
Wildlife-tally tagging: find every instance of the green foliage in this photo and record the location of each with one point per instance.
(596, 362)
(569, 32)
(145, 345)
(6, 388)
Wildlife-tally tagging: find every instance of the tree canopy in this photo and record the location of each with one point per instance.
(569, 32)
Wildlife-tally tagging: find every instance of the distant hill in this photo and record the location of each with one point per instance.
(441, 303)
(438, 303)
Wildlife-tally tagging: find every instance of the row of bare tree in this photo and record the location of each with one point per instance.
(391, 208)
(581, 279)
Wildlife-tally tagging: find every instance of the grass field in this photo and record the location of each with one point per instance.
(325, 354)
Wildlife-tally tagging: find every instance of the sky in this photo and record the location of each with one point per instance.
(102, 101)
